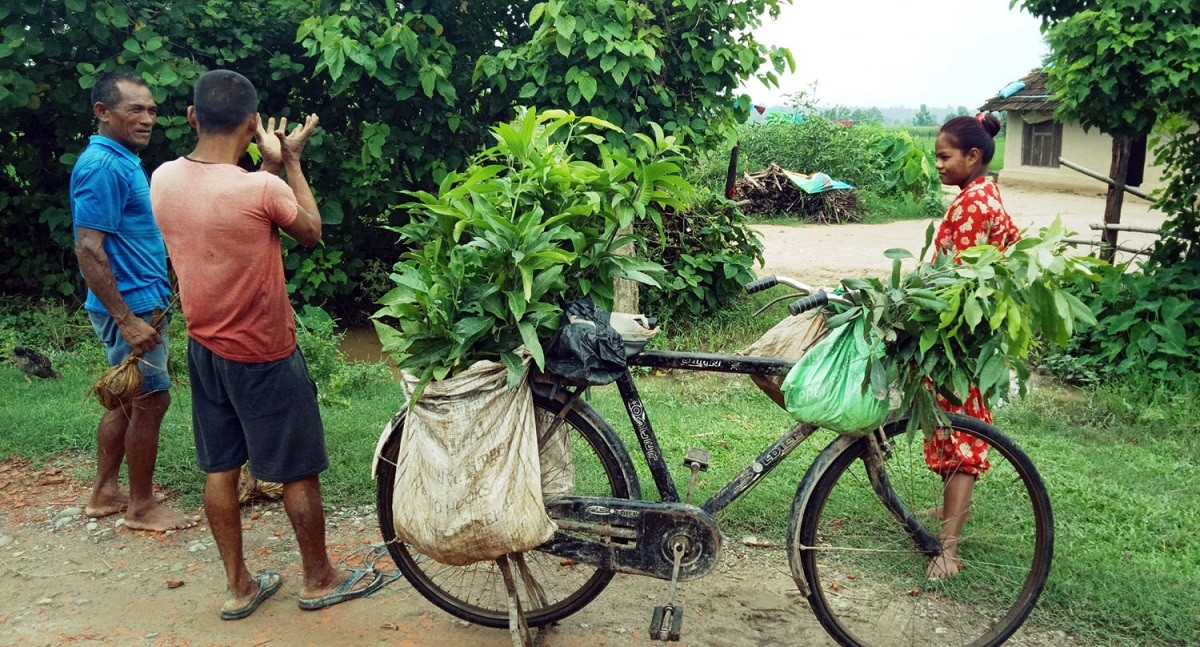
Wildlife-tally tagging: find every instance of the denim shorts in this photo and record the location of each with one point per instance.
(153, 364)
(265, 413)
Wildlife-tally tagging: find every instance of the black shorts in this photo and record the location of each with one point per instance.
(265, 412)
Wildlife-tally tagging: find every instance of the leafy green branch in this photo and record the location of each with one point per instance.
(530, 225)
(967, 320)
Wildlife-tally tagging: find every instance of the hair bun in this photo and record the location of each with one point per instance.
(990, 123)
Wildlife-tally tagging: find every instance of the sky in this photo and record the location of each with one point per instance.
(877, 53)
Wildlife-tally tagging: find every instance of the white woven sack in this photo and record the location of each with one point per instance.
(468, 483)
(789, 339)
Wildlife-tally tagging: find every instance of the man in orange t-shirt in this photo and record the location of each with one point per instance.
(252, 397)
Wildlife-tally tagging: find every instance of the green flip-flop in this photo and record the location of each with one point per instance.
(268, 584)
(345, 591)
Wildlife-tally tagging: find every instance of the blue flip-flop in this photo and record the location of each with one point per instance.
(345, 591)
(266, 588)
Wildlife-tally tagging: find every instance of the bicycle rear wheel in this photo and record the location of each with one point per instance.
(866, 576)
(550, 587)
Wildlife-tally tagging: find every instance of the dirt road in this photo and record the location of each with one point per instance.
(69, 580)
(824, 254)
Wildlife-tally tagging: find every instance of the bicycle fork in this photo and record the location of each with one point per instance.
(878, 448)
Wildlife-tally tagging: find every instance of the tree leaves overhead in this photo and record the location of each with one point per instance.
(1119, 65)
(406, 91)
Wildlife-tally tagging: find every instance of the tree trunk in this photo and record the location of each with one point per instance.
(625, 292)
(1116, 195)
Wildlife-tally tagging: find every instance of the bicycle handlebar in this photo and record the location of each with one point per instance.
(761, 284)
(807, 303)
(814, 297)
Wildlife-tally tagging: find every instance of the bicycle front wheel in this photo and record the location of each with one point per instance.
(866, 574)
(549, 586)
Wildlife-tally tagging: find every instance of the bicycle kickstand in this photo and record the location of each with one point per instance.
(667, 621)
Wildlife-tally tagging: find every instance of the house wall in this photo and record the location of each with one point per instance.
(1092, 150)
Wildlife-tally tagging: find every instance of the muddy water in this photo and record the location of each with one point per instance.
(362, 345)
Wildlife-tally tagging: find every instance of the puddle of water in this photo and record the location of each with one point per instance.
(362, 345)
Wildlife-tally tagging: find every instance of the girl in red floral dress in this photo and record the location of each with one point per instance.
(964, 148)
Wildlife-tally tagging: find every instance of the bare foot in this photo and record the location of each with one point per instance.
(946, 565)
(160, 519)
(936, 513)
(101, 506)
(104, 506)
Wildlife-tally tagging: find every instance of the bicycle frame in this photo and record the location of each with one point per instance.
(750, 475)
(765, 462)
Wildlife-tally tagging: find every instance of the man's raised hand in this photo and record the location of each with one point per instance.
(292, 144)
(268, 146)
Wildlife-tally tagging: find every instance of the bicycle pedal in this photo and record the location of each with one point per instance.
(666, 623)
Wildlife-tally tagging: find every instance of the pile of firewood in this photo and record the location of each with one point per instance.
(772, 194)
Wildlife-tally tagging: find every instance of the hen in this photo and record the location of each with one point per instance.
(34, 363)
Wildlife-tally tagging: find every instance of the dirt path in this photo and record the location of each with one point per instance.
(69, 580)
(824, 254)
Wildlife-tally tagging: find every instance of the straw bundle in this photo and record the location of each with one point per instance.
(250, 487)
(121, 384)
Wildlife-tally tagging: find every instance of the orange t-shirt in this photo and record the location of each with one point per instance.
(221, 226)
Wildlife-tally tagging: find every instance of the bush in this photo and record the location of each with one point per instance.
(1148, 323)
(709, 252)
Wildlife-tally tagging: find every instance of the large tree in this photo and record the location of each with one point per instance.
(405, 91)
(1125, 67)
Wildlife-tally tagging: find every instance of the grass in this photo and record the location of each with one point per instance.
(1119, 461)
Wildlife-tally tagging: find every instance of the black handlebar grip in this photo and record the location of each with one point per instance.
(809, 302)
(761, 284)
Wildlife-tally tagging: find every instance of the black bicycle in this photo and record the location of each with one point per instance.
(864, 523)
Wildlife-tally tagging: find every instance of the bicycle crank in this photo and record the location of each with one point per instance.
(666, 623)
(636, 537)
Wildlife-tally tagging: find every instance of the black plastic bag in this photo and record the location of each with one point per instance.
(586, 349)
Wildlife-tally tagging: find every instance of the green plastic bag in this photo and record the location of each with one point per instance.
(825, 387)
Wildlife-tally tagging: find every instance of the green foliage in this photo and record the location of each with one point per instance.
(710, 252)
(857, 115)
(1118, 74)
(529, 226)
(909, 169)
(406, 93)
(632, 62)
(967, 319)
(1178, 151)
(47, 325)
(1145, 322)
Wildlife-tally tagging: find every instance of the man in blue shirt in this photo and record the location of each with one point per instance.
(123, 261)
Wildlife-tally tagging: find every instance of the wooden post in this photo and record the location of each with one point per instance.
(1116, 195)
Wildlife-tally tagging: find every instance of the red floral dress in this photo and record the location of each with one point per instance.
(976, 217)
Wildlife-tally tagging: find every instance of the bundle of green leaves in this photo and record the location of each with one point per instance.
(534, 222)
(967, 320)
